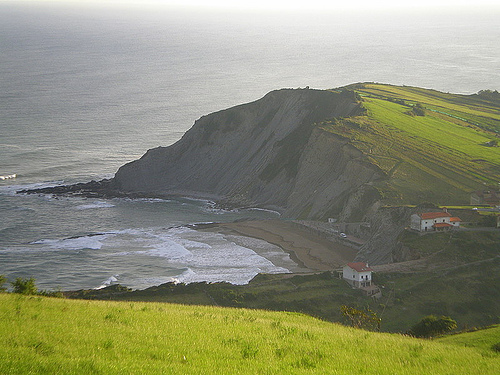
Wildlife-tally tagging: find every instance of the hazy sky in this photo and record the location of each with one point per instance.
(308, 4)
(330, 3)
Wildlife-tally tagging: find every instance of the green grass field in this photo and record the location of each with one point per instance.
(40, 335)
(440, 157)
(462, 280)
(483, 339)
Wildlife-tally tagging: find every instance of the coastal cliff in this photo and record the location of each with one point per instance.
(268, 153)
(318, 154)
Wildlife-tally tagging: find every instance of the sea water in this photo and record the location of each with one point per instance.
(87, 88)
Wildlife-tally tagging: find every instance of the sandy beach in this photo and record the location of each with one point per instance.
(308, 250)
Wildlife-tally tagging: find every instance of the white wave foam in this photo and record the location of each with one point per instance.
(263, 210)
(108, 282)
(150, 200)
(213, 209)
(170, 249)
(8, 176)
(208, 256)
(215, 258)
(199, 256)
(153, 242)
(97, 204)
(79, 243)
(187, 276)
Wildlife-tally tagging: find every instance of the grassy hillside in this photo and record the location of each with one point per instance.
(441, 156)
(486, 340)
(42, 335)
(456, 274)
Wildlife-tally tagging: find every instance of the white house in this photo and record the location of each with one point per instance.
(357, 274)
(434, 221)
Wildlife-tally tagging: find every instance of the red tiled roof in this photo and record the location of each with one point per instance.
(360, 266)
(442, 225)
(455, 219)
(433, 215)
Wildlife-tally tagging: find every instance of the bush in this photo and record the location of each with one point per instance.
(432, 325)
(24, 286)
(417, 110)
(51, 293)
(361, 319)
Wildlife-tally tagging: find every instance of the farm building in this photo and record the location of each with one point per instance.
(434, 221)
(357, 274)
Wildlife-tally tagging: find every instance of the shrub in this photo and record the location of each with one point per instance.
(24, 286)
(417, 110)
(361, 319)
(51, 293)
(431, 325)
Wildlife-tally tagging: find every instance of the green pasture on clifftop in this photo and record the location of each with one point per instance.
(439, 157)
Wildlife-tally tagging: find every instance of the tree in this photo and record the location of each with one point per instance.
(361, 319)
(24, 286)
(432, 325)
(417, 110)
(3, 280)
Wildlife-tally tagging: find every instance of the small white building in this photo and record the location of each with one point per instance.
(434, 221)
(357, 274)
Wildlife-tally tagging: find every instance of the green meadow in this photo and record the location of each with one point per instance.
(486, 340)
(440, 157)
(41, 335)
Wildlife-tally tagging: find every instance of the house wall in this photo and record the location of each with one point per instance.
(426, 225)
(354, 277)
(417, 223)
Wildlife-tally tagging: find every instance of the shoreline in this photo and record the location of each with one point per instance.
(311, 252)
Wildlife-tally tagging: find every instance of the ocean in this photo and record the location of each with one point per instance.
(87, 88)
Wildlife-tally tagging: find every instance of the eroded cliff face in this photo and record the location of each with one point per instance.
(267, 153)
(383, 246)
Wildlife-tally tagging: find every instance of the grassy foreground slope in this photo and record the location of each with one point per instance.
(484, 339)
(43, 335)
(440, 157)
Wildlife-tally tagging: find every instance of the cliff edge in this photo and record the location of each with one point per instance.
(268, 153)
